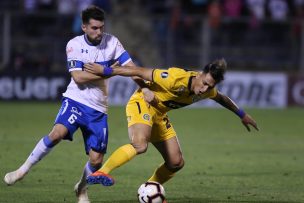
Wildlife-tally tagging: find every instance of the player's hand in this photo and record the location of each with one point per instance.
(150, 97)
(93, 68)
(247, 120)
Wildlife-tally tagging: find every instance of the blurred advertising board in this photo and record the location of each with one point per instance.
(254, 89)
(247, 89)
(296, 90)
(29, 87)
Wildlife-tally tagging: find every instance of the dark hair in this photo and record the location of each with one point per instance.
(217, 69)
(92, 12)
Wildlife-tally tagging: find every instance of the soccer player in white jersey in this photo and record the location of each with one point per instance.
(84, 104)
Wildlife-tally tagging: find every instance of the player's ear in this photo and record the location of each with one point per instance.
(83, 27)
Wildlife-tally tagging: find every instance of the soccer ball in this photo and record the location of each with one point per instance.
(151, 192)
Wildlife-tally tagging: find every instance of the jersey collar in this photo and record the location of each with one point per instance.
(189, 85)
(90, 43)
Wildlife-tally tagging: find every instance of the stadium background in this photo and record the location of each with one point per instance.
(262, 41)
(254, 36)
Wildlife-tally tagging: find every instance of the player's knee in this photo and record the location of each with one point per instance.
(140, 148)
(176, 164)
(58, 133)
(55, 136)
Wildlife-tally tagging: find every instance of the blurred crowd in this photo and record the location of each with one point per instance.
(237, 26)
(260, 9)
(182, 17)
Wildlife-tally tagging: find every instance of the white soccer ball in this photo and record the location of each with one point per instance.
(151, 192)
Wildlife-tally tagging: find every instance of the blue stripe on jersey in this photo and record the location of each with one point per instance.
(79, 64)
(106, 63)
(75, 64)
(123, 57)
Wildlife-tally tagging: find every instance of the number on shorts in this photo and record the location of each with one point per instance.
(72, 119)
(166, 119)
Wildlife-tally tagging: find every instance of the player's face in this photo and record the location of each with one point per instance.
(203, 83)
(94, 30)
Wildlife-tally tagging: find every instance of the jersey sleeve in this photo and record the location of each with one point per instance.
(74, 61)
(163, 78)
(121, 55)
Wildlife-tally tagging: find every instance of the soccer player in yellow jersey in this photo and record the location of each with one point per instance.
(173, 88)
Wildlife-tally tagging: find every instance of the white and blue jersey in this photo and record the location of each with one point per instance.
(85, 106)
(80, 51)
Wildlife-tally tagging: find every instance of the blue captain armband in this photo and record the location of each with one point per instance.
(241, 113)
(107, 71)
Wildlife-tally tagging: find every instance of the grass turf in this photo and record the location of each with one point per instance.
(224, 163)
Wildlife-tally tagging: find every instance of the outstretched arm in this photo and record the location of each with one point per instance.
(229, 104)
(127, 71)
(144, 73)
(137, 74)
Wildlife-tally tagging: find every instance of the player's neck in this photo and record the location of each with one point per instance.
(191, 87)
(90, 41)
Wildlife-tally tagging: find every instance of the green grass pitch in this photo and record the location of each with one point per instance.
(224, 163)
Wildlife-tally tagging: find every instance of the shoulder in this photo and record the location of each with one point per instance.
(171, 72)
(76, 41)
(74, 45)
(180, 72)
(169, 77)
(109, 37)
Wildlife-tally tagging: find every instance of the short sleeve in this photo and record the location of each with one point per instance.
(121, 55)
(163, 78)
(74, 61)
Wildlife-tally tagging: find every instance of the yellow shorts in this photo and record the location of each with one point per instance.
(138, 111)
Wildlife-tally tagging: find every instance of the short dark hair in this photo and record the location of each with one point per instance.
(217, 69)
(92, 12)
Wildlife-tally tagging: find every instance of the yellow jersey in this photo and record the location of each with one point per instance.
(172, 87)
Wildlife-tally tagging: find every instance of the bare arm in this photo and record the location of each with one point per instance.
(139, 81)
(144, 73)
(138, 74)
(229, 104)
(126, 71)
(82, 77)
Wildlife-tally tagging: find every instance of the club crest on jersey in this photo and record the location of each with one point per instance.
(146, 117)
(128, 118)
(181, 90)
(164, 74)
(69, 50)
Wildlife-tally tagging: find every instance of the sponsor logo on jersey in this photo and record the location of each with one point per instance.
(164, 74)
(146, 117)
(75, 110)
(84, 51)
